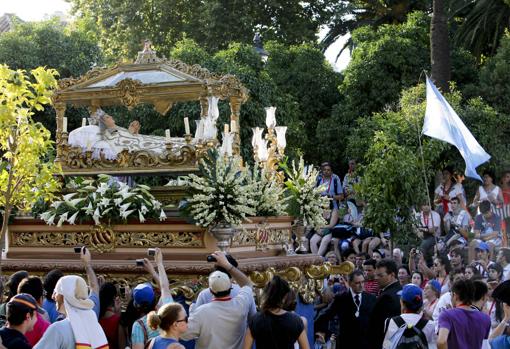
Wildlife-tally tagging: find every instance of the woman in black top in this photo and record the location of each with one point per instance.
(273, 327)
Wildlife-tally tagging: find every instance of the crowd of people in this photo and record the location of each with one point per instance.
(452, 289)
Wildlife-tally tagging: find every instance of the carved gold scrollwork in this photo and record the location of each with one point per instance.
(261, 278)
(129, 92)
(292, 274)
(102, 238)
(317, 271)
(160, 239)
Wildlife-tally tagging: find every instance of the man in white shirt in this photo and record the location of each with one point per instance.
(445, 301)
(429, 228)
(503, 259)
(411, 303)
(456, 223)
(221, 324)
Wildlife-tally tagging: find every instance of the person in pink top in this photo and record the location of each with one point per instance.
(34, 287)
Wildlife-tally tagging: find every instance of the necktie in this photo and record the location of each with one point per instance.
(356, 300)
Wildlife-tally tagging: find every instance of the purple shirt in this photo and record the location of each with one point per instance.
(468, 328)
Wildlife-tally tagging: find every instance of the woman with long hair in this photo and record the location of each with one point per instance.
(172, 322)
(109, 315)
(274, 327)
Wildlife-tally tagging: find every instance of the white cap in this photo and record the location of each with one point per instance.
(219, 282)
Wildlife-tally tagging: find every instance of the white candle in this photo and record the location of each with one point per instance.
(167, 135)
(64, 124)
(233, 126)
(225, 128)
(186, 126)
(83, 122)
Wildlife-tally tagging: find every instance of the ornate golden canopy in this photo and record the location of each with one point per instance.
(149, 80)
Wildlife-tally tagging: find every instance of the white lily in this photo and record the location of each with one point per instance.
(125, 214)
(96, 220)
(162, 215)
(156, 205)
(68, 197)
(104, 202)
(144, 209)
(56, 204)
(141, 218)
(50, 220)
(117, 201)
(62, 219)
(102, 188)
(124, 207)
(45, 215)
(89, 209)
(74, 202)
(73, 218)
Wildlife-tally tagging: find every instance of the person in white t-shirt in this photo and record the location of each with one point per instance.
(503, 259)
(429, 228)
(411, 303)
(221, 324)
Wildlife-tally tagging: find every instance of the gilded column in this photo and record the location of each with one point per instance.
(235, 113)
(60, 109)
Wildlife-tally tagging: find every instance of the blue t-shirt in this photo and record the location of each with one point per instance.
(332, 186)
(163, 343)
(500, 342)
(493, 224)
(51, 308)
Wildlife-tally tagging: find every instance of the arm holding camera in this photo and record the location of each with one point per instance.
(149, 268)
(91, 275)
(163, 278)
(222, 261)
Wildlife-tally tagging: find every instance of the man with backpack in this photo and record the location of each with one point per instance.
(410, 330)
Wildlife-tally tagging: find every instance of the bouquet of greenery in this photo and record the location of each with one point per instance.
(220, 194)
(306, 198)
(269, 195)
(103, 200)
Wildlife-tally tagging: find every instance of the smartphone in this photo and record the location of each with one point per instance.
(77, 249)
(211, 258)
(151, 252)
(139, 262)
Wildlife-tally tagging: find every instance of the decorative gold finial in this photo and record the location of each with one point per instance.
(147, 55)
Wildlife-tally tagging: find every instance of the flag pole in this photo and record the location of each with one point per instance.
(424, 172)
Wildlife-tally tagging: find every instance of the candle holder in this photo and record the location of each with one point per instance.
(188, 138)
(65, 137)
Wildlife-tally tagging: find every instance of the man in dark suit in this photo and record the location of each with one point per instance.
(353, 309)
(388, 302)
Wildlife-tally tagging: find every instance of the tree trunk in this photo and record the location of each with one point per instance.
(439, 46)
(3, 231)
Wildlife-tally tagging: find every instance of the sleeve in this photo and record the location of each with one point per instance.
(51, 338)
(245, 298)
(321, 322)
(339, 188)
(137, 336)
(95, 298)
(444, 321)
(193, 330)
(438, 191)
(200, 300)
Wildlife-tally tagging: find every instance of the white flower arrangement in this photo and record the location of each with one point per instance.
(220, 194)
(269, 195)
(104, 201)
(306, 197)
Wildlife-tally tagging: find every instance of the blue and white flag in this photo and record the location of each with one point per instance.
(443, 123)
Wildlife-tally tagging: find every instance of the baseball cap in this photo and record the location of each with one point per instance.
(483, 246)
(219, 282)
(23, 300)
(143, 294)
(435, 285)
(412, 296)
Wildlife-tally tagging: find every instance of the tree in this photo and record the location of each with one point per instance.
(483, 25)
(439, 46)
(25, 174)
(347, 16)
(213, 24)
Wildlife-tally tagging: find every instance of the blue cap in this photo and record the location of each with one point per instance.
(483, 246)
(435, 285)
(143, 294)
(412, 296)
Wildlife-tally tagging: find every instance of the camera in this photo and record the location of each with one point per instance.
(77, 249)
(211, 258)
(151, 252)
(139, 262)
(122, 291)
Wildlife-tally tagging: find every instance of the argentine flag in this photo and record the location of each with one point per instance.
(443, 123)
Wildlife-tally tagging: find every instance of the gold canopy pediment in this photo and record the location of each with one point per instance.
(159, 83)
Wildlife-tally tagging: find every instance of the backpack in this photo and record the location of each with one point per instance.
(146, 341)
(407, 336)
